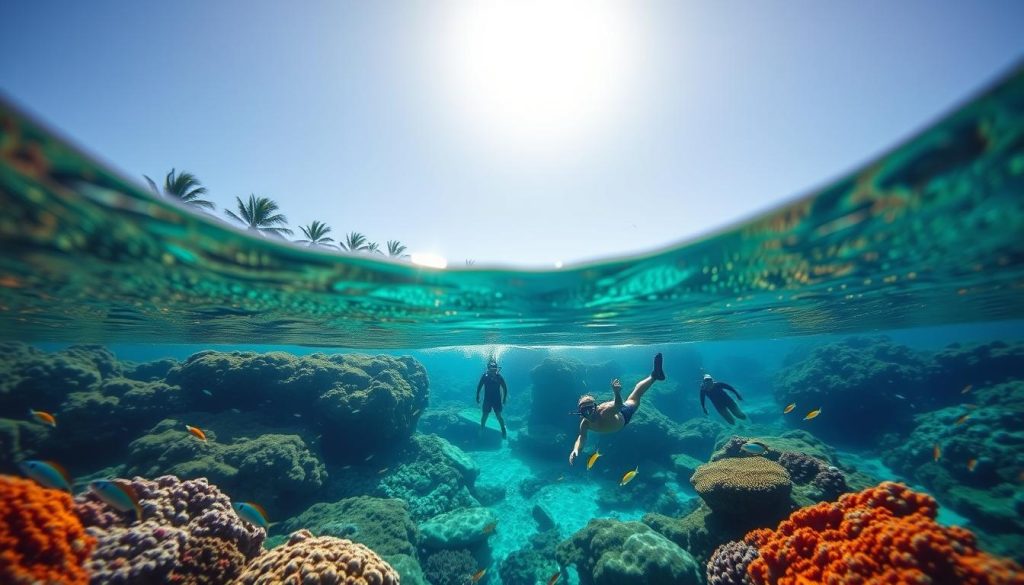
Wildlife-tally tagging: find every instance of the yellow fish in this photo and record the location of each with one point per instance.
(554, 578)
(963, 419)
(789, 408)
(812, 414)
(478, 575)
(629, 476)
(936, 452)
(971, 464)
(593, 459)
(196, 432)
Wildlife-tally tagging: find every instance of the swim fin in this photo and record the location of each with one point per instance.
(658, 373)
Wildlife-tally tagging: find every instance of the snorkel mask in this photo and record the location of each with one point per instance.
(586, 410)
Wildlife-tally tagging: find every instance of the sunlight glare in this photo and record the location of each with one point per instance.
(429, 260)
(540, 75)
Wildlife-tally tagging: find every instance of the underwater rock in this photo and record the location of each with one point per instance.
(178, 518)
(489, 495)
(30, 378)
(408, 568)
(856, 383)
(148, 371)
(558, 384)
(450, 567)
(532, 564)
(20, 440)
(887, 533)
(428, 479)
(744, 488)
(383, 525)
(983, 364)
(459, 430)
(543, 518)
(609, 552)
(459, 529)
(318, 560)
(271, 469)
(684, 466)
(700, 532)
(788, 442)
(42, 539)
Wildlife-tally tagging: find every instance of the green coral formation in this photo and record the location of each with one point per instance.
(609, 552)
(383, 525)
(464, 528)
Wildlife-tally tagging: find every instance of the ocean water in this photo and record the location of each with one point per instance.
(339, 391)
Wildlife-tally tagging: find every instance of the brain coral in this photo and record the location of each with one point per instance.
(728, 565)
(885, 534)
(41, 539)
(313, 560)
(741, 486)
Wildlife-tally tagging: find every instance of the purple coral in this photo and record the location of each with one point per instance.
(802, 468)
(830, 483)
(178, 519)
(728, 564)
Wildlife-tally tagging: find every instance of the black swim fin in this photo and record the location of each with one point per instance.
(658, 373)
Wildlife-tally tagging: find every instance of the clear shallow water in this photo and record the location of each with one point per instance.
(927, 234)
(923, 244)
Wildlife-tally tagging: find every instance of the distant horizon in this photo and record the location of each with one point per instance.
(529, 135)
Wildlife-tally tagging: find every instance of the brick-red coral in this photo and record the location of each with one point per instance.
(41, 539)
(886, 534)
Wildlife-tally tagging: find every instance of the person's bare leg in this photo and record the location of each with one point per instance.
(638, 390)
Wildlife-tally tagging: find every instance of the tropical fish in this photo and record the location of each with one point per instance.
(971, 464)
(120, 496)
(900, 396)
(48, 473)
(629, 476)
(561, 478)
(754, 447)
(967, 389)
(207, 392)
(593, 459)
(383, 471)
(554, 578)
(368, 457)
(490, 527)
(235, 410)
(814, 413)
(297, 415)
(43, 417)
(789, 408)
(963, 418)
(936, 452)
(199, 434)
(478, 575)
(252, 513)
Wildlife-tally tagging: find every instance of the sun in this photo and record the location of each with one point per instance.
(538, 75)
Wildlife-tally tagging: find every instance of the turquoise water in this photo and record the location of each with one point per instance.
(890, 301)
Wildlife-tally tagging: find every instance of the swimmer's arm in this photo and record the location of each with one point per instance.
(478, 387)
(580, 441)
(728, 387)
(504, 388)
(617, 389)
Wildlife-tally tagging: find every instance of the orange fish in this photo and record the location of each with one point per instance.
(554, 578)
(789, 408)
(199, 434)
(814, 413)
(971, 464)
(490, 527)
(478, 575)
(43, 417)
(963, 419)
(967, 389)
(936, 452)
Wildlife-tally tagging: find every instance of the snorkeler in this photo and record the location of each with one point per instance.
(725, 405)
(611, 416)
(491, 381)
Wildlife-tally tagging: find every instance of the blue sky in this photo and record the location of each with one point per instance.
(520, 134)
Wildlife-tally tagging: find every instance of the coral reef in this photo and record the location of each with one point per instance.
(701, 531)
(462, 432)
(319, 560)
(172, 541)
(450, 567)
(532, 564)
(383, 525)
(885, 534)
(458, 529)
(728, 564)
(429, 479)
(609, 552)
(981, 364)
(743, 487)
(41, 539)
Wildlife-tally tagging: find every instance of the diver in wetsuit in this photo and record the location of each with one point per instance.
(723, 403)
(612, 415)
(491, 382)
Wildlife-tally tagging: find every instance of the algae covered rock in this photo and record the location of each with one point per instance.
(429, 478)
(609, 552)
(458, 529)
(383, 525)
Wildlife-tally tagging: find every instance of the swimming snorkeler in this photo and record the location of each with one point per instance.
(725, 405)
(611, 416)
(491, 382)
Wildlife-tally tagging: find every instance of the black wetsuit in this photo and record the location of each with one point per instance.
(724, 404)
(492, 396)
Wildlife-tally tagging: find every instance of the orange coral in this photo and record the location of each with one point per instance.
(886, 534)
(41, 539)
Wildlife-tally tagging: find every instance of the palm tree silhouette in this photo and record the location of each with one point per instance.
(316, 235)
(259, 216)
(396, 249)
(354, 242)
(184, 187)
(373, 247)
